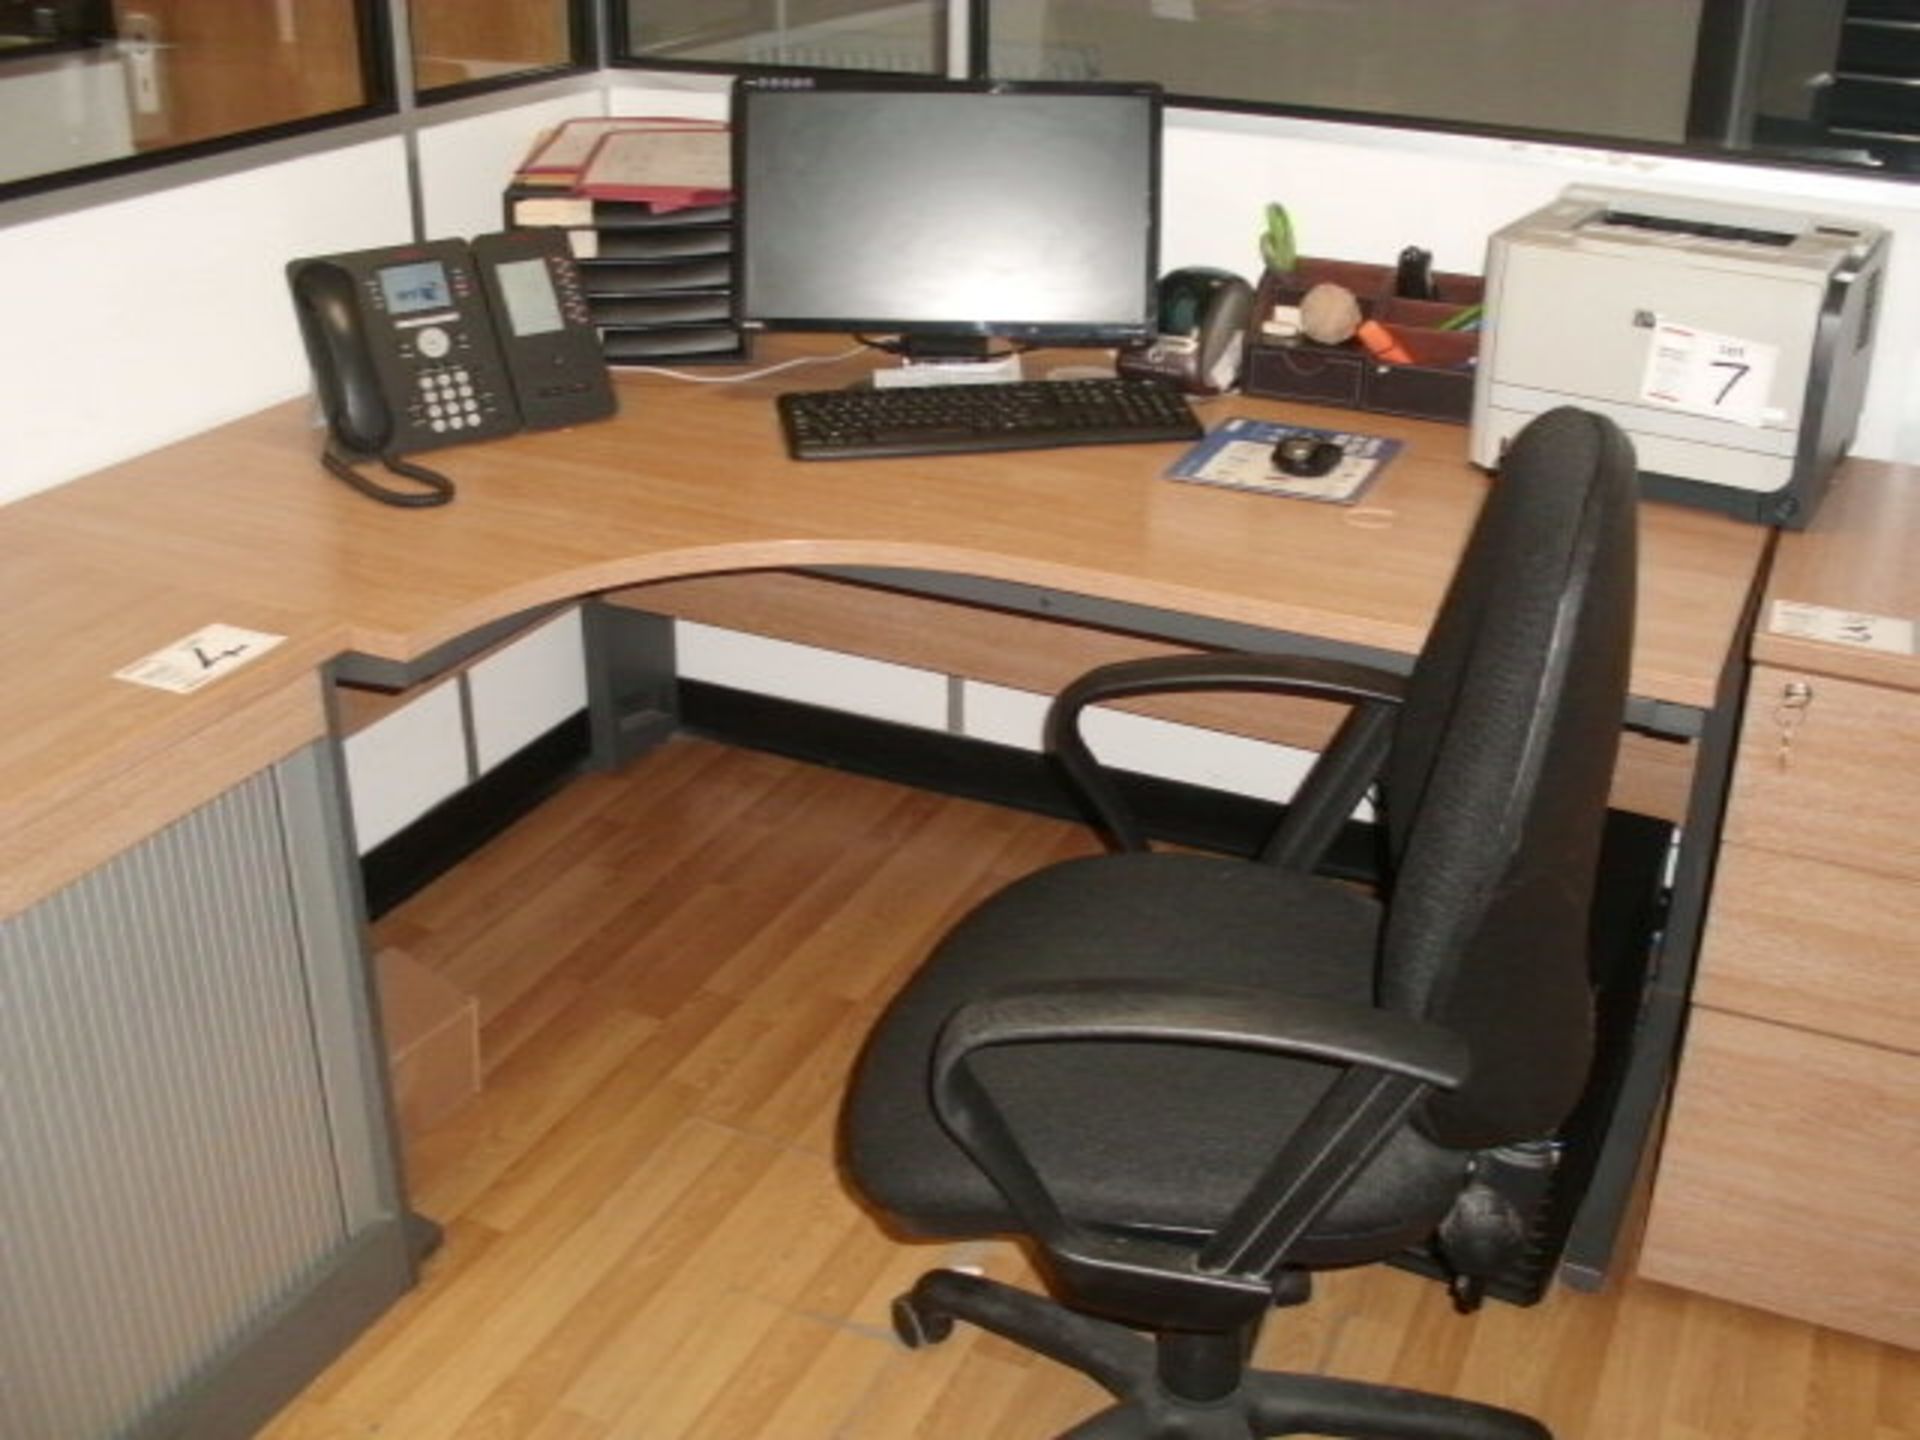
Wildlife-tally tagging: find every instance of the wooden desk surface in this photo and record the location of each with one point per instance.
(1857, 555)
(241, 525)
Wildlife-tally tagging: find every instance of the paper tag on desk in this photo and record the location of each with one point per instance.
(1854, 628)
(199, 659)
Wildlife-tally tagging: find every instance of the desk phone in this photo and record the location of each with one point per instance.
(414, 347)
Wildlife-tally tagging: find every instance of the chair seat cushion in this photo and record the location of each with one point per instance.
(1217, 1116)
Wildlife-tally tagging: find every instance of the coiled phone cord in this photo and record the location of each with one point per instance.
(438, 492)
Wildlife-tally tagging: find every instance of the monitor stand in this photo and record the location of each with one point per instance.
(944, 349)
(948, 360)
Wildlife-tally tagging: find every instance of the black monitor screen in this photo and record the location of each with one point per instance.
(1021, 210)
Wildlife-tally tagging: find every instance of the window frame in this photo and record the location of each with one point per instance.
(945, 66)
(374, 22)
(583, 40)
(92, 22)
(1717, 80)
(393, 105)
(599, 34)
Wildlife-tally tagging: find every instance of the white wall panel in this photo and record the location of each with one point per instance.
(466, 163)
(405, 763)
(132, 324)
(852, 683)
(523, 691)
(1143, 744)
(638, 93)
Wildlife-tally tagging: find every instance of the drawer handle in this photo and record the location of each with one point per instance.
(1796, 697)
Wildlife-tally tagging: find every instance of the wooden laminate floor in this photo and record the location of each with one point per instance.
(645, 1236)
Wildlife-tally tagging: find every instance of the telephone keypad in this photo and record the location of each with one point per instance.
(449, 400)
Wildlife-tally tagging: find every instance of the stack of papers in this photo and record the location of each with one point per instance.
(668, 163)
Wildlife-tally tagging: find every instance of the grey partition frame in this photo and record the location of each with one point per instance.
(200, 1193)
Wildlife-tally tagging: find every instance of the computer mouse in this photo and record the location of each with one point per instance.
(1306, 455)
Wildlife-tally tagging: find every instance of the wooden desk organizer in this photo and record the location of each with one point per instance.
(1437, 385)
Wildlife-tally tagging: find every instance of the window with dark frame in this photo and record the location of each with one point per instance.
(904, 38)
(136, 82)
(94, 88)
(90, 89)
(39, 27)
(1833, 84)
(461, 47)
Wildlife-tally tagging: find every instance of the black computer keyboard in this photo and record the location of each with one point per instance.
(1003, 415)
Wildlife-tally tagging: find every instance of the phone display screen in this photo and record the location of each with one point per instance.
(420, 286)
(532, 308)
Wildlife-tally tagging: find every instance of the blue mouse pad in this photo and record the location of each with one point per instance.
(1238, 454)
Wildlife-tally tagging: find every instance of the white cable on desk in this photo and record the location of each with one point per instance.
(749, 374)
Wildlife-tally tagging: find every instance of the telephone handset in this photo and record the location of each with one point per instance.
(415, 347)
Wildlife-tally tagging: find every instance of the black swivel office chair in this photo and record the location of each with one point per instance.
(1195, 1080)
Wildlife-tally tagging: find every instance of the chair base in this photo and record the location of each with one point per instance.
(1137, 1371)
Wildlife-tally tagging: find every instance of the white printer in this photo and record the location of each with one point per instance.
(1730, 342)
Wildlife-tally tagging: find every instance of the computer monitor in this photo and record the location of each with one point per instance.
(946, 214)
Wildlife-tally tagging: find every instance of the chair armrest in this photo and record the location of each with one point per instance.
(1390, 1062)
(1212, 1015)
(1329, 793)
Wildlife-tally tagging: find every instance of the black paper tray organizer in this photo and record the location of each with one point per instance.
(1436, 383)
(674, 345)
(658, 282)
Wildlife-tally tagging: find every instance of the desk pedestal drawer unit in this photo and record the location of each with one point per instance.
(1787, 1176)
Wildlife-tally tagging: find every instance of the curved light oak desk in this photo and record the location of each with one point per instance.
(240, 526)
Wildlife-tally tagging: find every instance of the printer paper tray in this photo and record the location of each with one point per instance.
(1712, 452)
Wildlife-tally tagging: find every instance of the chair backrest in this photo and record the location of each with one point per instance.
(1496, 788)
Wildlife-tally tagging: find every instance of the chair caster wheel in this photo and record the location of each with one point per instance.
(1467, 1293)
(916, 1325)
